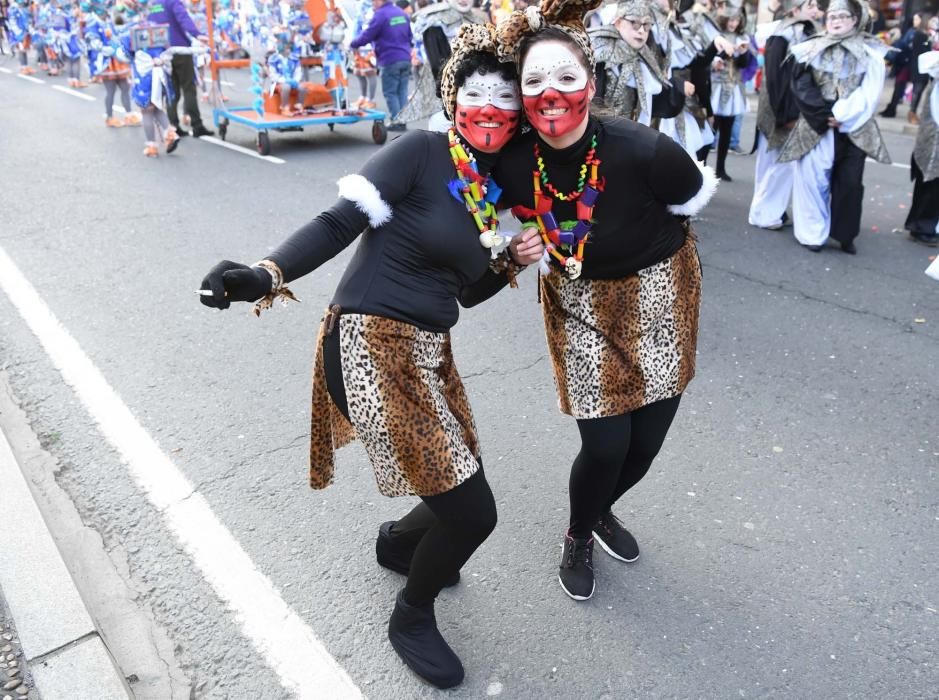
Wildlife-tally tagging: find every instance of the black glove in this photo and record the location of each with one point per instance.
(231, 281)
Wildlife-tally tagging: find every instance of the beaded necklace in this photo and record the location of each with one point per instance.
(477, 192)
(571, 236)
(574, 195)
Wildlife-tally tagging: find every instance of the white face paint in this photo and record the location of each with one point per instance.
(489, 88)
(551, 64)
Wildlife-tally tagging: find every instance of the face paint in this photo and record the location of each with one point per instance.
(555, 88)
(487, 111)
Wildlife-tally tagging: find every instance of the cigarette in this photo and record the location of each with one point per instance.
(206, 292)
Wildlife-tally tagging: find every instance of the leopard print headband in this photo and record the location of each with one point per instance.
(566, 15)
(473, 38)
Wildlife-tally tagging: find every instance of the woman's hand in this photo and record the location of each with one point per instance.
(526, 248)
(231, 281)
(689, 89)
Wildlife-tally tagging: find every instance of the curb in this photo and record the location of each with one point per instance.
(66, 655)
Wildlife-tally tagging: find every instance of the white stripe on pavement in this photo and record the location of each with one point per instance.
(73, 93)
(287, 644)
(242, 149)
(905, 166)
(5, 70)
(30, 78)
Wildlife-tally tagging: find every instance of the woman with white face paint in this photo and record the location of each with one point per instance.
(631, 80)
(384, 369)
(836, 83)
(621, 280)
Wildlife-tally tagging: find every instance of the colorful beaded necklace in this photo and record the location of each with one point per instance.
(570, 238)
(478, 193)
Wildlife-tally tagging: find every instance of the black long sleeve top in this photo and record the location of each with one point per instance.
(417, 265)
(778, 71)
(645, 173)
(808, 98)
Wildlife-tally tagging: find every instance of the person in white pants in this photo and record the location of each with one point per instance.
(837, 82)
(777, 113)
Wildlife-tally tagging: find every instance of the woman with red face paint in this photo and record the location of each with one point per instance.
(384, 369)
(621, 280)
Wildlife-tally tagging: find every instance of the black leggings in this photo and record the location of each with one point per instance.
(724, 126)
(445, 529)
(615, 454)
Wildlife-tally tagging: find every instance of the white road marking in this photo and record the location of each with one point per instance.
(30, 78)
(73, 93)
(5, 70)
(905, 166)
(287, 644)
(242, 149)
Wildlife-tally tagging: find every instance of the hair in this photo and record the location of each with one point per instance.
(552, 34)
(484, 62)
(723, 19)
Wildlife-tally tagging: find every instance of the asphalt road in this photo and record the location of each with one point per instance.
(788, 528)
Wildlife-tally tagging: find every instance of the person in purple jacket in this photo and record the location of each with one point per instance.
(182, 31)
(389, 33)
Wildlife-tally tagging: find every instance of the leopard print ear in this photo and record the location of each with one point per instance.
(567, 15)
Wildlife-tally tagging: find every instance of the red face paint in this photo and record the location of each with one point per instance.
(487, 128)
(574, 106)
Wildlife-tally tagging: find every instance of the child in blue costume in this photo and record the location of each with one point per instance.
(147, 45)
(63, 36)
(18, 28)
(285, 73)
(108, 63)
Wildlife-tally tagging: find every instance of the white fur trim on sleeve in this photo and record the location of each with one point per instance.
(709, 183)
(366, 198)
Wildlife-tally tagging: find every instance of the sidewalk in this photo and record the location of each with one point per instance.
(54, 646)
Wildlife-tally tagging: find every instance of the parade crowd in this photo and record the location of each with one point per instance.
(593, 124)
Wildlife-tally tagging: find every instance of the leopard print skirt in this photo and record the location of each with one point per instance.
(406, 404)
(618, 345)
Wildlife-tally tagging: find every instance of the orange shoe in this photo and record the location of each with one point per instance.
(151, 151)
(113, 122)
(73, 83)
(132, 119)
(368, 104)
(286, 112)
(170, 140)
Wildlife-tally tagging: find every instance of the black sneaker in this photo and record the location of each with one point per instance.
(200, 131)
(576, 572)
(412, 631)
(397, 558)
(615, 539)
(180, 131)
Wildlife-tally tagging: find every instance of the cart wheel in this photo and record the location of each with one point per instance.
(332, 127)
(264, 143)
(222, 130)
(379, 132)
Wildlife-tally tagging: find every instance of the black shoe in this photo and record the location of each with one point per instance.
(815, 248)
(724, 176)
(848, 247)
(785, 219)
(412, 631)
(928, 239)
(397, 126)
(889, 113)
(202, 131)
(615, 539)
(576, 572)
(396, 557)
(180, 131)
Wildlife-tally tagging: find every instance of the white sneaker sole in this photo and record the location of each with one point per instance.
(577, 597)
(611, 552)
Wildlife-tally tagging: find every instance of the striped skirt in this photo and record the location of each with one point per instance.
(618, 345)
(406, 404)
